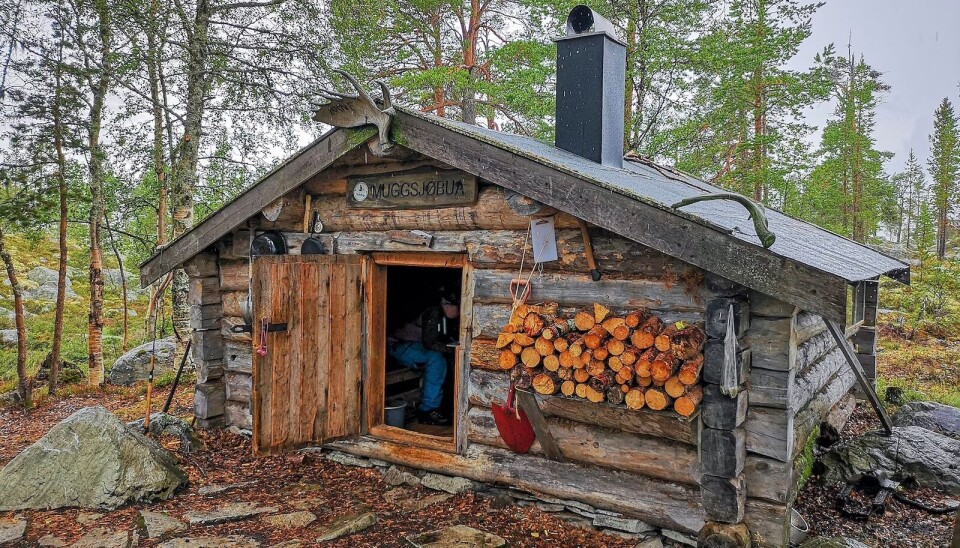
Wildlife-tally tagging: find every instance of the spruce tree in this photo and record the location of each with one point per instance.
(944, 165)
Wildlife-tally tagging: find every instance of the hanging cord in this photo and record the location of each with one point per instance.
(523, 255)
(519, 281)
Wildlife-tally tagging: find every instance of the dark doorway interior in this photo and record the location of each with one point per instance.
(413, 307)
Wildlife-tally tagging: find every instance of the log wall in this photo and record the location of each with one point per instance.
(207, 348)
(730, 463)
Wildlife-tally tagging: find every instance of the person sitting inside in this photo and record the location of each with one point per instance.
(423, 344)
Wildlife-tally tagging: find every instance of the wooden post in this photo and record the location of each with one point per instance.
(722, 438)
(207, 347)
(851, 357)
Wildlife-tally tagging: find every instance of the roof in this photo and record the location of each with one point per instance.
(806, 266)
(799, 240)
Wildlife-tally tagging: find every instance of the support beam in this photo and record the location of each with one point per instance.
(865, 384)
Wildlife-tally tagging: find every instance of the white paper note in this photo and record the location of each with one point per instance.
(544, 237)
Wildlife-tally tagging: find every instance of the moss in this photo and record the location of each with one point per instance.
(804, 463)
(357, 137)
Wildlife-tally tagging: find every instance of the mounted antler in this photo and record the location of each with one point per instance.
(357, 110)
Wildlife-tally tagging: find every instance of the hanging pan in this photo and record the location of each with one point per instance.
(268, 243)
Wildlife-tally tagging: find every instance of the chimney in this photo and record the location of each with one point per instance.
(591, 75)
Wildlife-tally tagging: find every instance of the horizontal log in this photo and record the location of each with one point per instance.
(809, 418)
(713, 358)
(769, 523)
(489, 318)
(650, 456)
(201, 265)
(206, 316)
(204, 291)
(207, 346)
(724, 499)
(238, 414)
(491, 212)
(209, 371)
(493, 286)
(812, 379)
(238, 356)
(773, 343)
(769, 432)
(770, 479)
(721, 411)
(665, 504)
(815, 348)
(234, 275)
(209, 399)
(764, 305)
(487, 387)
(228, 334)
(718, 312)
(233, 303)
(722, 452)
(772, 388)
(239, 386)
(808, 325)
(484, 354)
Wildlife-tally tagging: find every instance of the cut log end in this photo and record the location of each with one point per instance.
(686, 404)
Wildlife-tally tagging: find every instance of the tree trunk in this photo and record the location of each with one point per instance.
(123, 287)
(24, 382)
(184, 174)
(62, 232)
(97, 199)
(159, 167)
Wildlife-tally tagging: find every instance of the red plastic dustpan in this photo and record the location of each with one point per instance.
(513, 424)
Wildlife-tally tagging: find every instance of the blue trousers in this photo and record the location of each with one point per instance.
(415, 356)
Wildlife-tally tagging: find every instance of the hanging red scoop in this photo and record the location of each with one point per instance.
(514, 427)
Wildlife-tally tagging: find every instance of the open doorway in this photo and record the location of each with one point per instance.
(422, 332)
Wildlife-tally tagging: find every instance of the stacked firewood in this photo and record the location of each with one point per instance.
(635, 360)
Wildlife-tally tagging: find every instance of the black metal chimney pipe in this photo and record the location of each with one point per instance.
(591, 75)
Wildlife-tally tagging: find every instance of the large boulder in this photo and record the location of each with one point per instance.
(89, 460)
(929, 457)
(943, 419)
(163, 424)
(46, 281)
(134, 366)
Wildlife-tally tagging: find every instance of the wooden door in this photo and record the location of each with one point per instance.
(306, 387)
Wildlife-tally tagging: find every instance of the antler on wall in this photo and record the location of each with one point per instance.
(357, 110)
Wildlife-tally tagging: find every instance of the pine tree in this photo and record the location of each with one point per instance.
(745, 132)
(911, 193)
(850, 174)
(944, 165)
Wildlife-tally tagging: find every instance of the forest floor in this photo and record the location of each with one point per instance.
(292, 483)
(299, 482)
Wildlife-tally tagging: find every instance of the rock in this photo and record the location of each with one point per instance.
(911, 451)
(232, 541)
(41, 275)
(134, 366)
(215, 488)
(101, 536)
(449, 484)
(415, 504)
(349, 460)
(88, 518)
(9, 315)
(575, 520)
(8, 337)
(654, 542)
(46, 291)
(395, 476)
(942, 419)
(549, 508)
(232, 511)
(90, 460)
(156, 524)
(240, 432)
(833, 542)
(12, 529)
(677, 536)
(347, 525)
(457, 536)
(627, 525)
(163, 424)
(50, 540)
(291, 520)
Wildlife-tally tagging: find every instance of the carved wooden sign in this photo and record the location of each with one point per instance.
(415, 189)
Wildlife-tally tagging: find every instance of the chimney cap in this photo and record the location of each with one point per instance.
(583, 20)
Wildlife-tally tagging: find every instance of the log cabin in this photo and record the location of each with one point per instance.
(297, 282)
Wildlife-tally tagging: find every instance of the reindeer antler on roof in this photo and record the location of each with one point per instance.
(357, 110)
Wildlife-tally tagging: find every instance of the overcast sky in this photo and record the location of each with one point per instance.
(915, 43)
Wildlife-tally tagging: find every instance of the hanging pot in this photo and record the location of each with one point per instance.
(268, 243)
(312, 246)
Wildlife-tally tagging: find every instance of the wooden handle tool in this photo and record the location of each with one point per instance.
(588, 251)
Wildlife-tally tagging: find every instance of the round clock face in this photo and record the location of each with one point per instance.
(360, 192)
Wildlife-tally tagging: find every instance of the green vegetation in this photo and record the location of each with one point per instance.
(42, 251)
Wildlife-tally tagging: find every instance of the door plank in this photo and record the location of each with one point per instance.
(352, 342)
